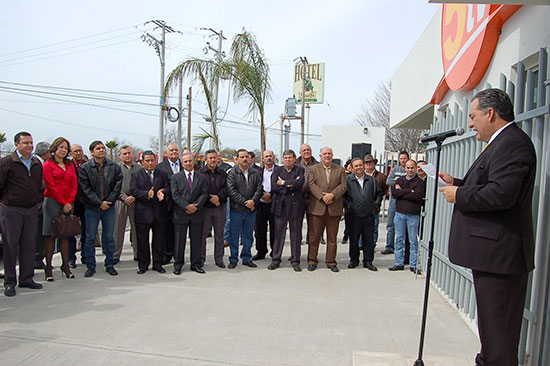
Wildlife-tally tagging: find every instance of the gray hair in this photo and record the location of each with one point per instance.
(41, 148)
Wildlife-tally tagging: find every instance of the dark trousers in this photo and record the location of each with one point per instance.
(295, 226)
(213, 217)
(361, 227)
(39, 238)
(500, 302)
(263, 217)
(316, 226)
(169, 240)
(72, 240)
(18, 233)
(347, 223)
(180, 234)
(157, 244)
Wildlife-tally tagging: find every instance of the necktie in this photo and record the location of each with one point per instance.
(151, 177)
(189, 181)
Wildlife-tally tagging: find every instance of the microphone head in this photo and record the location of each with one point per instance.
(459, 131)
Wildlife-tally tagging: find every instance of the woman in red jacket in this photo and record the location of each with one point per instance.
(61, 186)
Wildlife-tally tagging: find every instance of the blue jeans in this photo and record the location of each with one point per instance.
(241, 223)
(390, 230)
(376, 222)
(107, 219)
(226, 234)
(406, 223)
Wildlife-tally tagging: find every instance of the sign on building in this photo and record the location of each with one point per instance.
(315, 82)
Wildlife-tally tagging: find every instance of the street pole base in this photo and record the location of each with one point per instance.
(418, 362)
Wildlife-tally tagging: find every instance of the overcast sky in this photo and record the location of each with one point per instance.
(96, 45)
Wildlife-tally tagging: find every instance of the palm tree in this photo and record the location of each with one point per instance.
(205, 72)
(2, 140)
(111, 145)
(250, 75)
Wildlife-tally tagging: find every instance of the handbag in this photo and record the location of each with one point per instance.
(65, 226)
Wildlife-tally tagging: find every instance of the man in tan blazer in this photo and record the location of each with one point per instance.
(327, 182)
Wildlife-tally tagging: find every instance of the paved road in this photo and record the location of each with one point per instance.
(232, 317)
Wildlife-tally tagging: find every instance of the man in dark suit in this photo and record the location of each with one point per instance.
(327, 182)
(172, 166)
(150, 187)
(189, 191)
(288, 208)
(492, 225)
(264, 216)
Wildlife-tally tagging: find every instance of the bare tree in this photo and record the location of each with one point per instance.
(170, 137)
(376, 113)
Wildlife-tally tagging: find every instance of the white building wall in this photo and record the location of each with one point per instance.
(340, 139)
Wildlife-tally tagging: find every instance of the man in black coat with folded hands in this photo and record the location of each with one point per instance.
(150, 187)
(189, 192)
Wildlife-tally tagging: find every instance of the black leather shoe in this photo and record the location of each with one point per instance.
(177, 271)
(221, 265)
(385, 251)
(232, 265)
(250, 264)
(39, 265)
(352, 265)
(344, 239)
(116, 261)
(297, 268)
(415, 270)
(89, 272)
(159, 269)
(1, 275)
(396, 268)
(111, 270)
(370, 266)
(311, 267)
(334, 269)
(322, 241)
(258, 257)
(32, 285)
(272, 266)
(141, 271)
(198, 270)
(166, 260)
(9, 291)
(72, 264)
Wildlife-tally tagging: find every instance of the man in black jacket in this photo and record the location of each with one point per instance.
(244, 187)
(264, 216)
(409, 193)
(100, 181)
(150, 187)
(362, 198)
(21, 194)
(214, 208)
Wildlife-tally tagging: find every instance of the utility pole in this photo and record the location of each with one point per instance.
(219, 55)
(180, 108)
(160, 47)
(305, 78)
(189, 119)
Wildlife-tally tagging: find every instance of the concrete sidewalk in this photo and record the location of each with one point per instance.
(233, 317)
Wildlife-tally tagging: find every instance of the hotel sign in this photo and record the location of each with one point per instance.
(315, 83)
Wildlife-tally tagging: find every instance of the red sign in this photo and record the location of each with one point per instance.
(469, 35)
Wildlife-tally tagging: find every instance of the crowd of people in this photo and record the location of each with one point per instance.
(169, 202)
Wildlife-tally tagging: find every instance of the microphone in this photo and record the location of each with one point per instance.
(443, 135)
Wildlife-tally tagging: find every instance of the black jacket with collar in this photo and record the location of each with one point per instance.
(18, 186)
(88, 182)
(182, 197)
(216, 184)
(362, 201)
(240, 190)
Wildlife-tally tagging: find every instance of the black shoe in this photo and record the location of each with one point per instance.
(352, 265)
(111, 270)
(232, 265)
(67, 271)
(311, 267)
(116, 261)
(415, 270)
(177, 271)
(272, 266)
(1, 275)
(297, 268)
(323, 241)
(334, 269)
(345, 239)
(141, 271)
(166, 260)
(258, 257)
(370, 266)
(198, 270)
(396, 268)
(39, 265)
(250, 264)
(221, 265)
(48, 275)
(32, 285)
(386, 251)
(89, 272)
(9, 291)
(72, 264)
(159, 269)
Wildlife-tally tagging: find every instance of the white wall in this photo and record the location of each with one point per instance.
(340, 139)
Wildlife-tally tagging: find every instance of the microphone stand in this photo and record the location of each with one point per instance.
(419, 361)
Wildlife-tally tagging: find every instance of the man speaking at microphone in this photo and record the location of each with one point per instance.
(492, 226)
